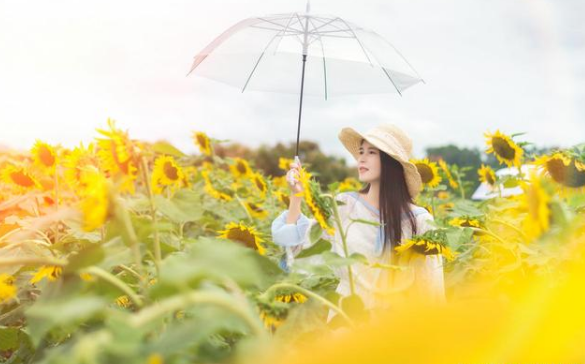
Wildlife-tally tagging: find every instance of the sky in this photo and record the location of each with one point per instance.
(67, 66)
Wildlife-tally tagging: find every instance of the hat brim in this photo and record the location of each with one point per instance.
(351, 140)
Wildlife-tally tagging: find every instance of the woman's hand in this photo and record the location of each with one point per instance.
(293, 175)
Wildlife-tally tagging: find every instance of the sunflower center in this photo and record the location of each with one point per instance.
(489, 177)
(171, 171)
(22, 179)
(255, 207)
(259, 183)
(241, 167)
(202, 140)
(243, 236)
(46, 157)
(503, 148)
(568, 176)
(426, 173)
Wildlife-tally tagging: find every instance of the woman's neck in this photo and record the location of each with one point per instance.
(373, 194)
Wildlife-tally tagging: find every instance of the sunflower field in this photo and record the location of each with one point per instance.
(123, 251)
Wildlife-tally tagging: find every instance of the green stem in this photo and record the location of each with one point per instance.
(243, 206)
(489, 233)
(520, 232)
(6, 262)
(130, 270)
(57, 204)
(116, 282)
(133, 240)
(461, 190)
(343, 240)
(181, 301)
(309, 293)
(157, 249)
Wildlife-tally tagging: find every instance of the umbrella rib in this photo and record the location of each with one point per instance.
(391, 80)
(330, 22)
(266, 28)
(258, 61)
(324, 63)
(360, 43)
(323, 24)
(404, 59)
(285, 29)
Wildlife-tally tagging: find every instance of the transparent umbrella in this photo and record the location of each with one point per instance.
(319, 55)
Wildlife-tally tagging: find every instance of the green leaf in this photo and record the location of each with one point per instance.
(9, 338)
(466, 208)
(216, 259)
(367, 222)
(183, 207)
(354, 307)
(164, 147)
(319, 247)
(335, 260)
(46, 315)
(315, 233)
(90, 255)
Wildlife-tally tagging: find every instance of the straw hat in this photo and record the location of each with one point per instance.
(391, 140)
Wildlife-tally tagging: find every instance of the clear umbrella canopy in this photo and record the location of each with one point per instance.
(264, 53)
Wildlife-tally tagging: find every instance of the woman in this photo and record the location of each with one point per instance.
(392, 182)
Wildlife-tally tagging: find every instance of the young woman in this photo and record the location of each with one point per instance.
(391, 183)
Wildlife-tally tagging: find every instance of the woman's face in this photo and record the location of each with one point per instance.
(369, 164)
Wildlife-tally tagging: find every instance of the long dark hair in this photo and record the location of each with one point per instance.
(394, 201)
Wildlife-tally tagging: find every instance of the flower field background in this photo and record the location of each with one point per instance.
(123, 251)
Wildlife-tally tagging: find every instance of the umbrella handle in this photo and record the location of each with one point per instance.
(290, 177)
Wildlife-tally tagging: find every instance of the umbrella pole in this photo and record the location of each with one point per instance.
(301, 105)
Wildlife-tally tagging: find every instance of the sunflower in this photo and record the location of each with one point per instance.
(241, 168)
(504, 148)
(465, 221)
(50, 272)
(284, 163)
(535, 201)
(279, 182)
(167, 173)
(430, 243)
(283, 197)
(448, 174)
(123, 301)
(87, 277)
(244, 234)
(7, 288)
(428, 171)
(294, 297)
(487, 175)
(94, 195)
(211, 190)
(77, 161)
(443, 195)
(118, 155)
(260, 183)
(563, 169)
(256, 210)
(271, 322)
(349, 184)
(202, 141)
(44, 156)
(19, 177)
(311, 192)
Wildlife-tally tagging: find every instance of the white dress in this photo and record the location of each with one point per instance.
(420, 276)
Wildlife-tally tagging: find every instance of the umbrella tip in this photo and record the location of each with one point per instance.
(308, 6)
